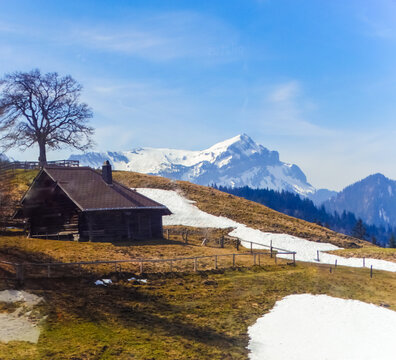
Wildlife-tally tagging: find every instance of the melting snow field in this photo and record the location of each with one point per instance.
(11, 296)
(187, 214)
(17, 325)
(320, 327)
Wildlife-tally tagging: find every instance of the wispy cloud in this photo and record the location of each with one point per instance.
(285, 110)
(154, 36)
(145, 113)
(379, 18)
(286, 92)
(164, 36)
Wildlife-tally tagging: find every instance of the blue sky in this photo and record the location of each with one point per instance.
(313, 79)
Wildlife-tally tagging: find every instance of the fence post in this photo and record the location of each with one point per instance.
(195, 264)
(317, 254)
(364, 262)
(371, 271)
(115, 267)
(233, 260)
(254, 258)
(294, 259)
(141, 266)
(251, 247)
(335, 263)
(216, 262)
(259, 257)
(49, 270)
(167, 234)
(276, 260)
(271, 248)
(222, 242)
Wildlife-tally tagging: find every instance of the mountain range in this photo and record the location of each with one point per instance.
(239, 162)
(373, 199)
(235, 162)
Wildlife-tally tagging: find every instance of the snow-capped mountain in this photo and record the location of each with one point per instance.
(373, 199)
(235, 162)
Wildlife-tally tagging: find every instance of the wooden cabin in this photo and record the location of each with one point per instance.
(82, 203)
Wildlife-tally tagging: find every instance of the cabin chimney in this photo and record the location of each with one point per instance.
(106, 173)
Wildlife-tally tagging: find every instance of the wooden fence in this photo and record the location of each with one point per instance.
(74, 269)
(140, 265)
(29, 165)
(225, 239)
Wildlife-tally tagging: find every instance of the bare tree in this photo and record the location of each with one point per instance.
(43, 109)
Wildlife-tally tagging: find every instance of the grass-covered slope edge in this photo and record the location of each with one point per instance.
(244, 211)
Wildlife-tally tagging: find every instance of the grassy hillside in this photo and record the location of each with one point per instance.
(202, 315)
(19, 249)
(20, 181)
(247, 212)
(388, 254)
(218, 203)
(197, 316)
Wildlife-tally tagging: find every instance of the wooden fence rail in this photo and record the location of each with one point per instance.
(21, 273)
(194, 262)
(29, 165)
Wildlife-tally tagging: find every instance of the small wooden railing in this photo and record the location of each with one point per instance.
(30, 165)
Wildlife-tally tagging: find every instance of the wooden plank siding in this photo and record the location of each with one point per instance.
(50, 211)
(120, 225)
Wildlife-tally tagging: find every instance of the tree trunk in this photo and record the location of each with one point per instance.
(43, 154)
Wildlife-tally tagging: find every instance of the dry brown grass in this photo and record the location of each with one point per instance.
(19, 249)
(221, 204)
(247, 212)
(202, 315)
(179, 316)
(373, 252)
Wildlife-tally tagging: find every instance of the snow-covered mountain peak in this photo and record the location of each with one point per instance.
(238, 161)
(240, 142)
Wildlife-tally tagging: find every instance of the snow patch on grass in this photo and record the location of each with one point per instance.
(19, 325)
(17, 328)
(103, 282)
(143, 281)
(323, 327)
(11, 296)
(184, 211)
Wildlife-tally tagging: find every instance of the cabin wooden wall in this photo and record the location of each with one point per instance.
(121, 225)
(50, 211)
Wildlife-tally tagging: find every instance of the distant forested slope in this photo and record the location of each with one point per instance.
(291, 204)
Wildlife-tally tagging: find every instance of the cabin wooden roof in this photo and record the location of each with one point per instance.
(87, 189)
